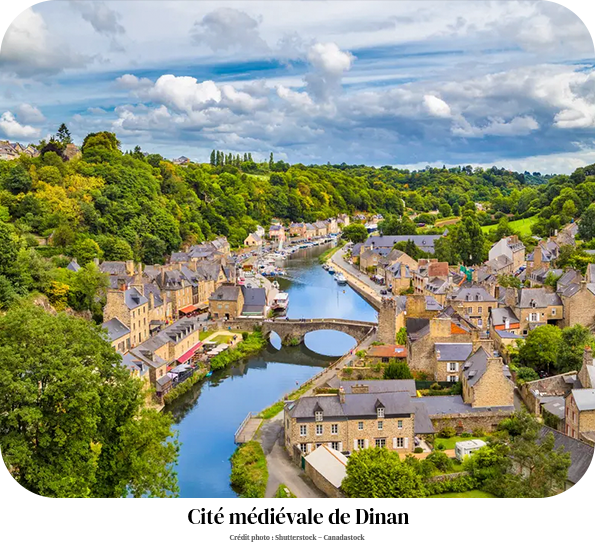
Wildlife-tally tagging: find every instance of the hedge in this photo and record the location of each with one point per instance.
(254, 343)
(455, 485)
(249, 474)
(183, 387)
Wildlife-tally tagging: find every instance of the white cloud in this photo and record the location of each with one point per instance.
(297, 99)
(518, 126)
(29, 50)
(13, 129)
(227, 28)
(102, 18)
(132, 82)
(329, 59)
(436, 107)
(183, 93)
(29, 114)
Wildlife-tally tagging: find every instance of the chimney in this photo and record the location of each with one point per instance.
(403, 270)
(162, 276)
(129, 267)
(537, 257)
(151, 300)
(341, 394)
(96, 261)
(588, 356)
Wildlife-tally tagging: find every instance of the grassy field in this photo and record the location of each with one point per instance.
(523, 226)
(449, 443)
(473, 494)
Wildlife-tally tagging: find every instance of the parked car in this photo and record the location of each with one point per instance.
(383, 292)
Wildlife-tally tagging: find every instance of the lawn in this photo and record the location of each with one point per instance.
(449, 443)
(204, 334)
(522, 227)
(473, 494)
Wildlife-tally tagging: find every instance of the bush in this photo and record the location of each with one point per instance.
(440, 446)
(447, 432)
(435, 386)
(466, 435)
(283, 492)
(418, 450)
(348, 370)
(454, 485)
(245, 335)
(251, 345)
(182, 388)
(249, 475)
(479, 432)
(440, 460)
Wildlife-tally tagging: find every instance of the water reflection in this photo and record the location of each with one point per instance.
(209, 414)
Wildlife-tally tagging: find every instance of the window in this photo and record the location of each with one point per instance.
(400, 442)
(452, 367)
(469, 310)
(380, 426)
(380, 443)
(360, 426)
(361, 444)
(318, 415)
(553, 312)
(334, 429)
(335, 445)
(479, 310)
(380, 412)
(400, 424)
(319, 429)
(480, 323)
(453, 378)
(534, 317)
(303, 430)
(303, 448)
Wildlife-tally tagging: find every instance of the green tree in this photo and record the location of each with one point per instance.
(63, 134)
(397, 370)
(586, 226)
(64, 431)
(213, 160)
(356, 233)
(85, 250)
(18, 180)
(541, 347)
(379, 473)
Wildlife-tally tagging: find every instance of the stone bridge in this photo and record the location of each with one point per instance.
(293, 331)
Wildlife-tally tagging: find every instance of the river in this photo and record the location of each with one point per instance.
(208, 416)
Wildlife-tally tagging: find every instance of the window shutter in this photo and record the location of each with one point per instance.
(365, 443)
(340, 446)
(329, 444)
(308, 447)
(355, 444)
(406, 443)
(395, 443)
(457, 367)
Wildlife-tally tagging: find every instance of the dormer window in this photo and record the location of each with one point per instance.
(380, 412)
(318, 415)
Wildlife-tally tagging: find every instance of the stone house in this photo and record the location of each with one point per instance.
(534, 307)
(131, 308)
(580, 414)
(578, 297)
(176, 288)
(450, 358)
(486, 381)
(310, 231)
(227, 301)
(387, 352)
(297, 229)
(423, 242)
(253, 240)
(350, 422)
(545, 254)
(423, 334)
(398, 277)
(427, 271)
(369, 256)
(513, 252)
(321, 228)
(277, 232)
(326, 468)
(343, 220)
(255, 301)
(474, 303)
(504, 319)
(118, 334)
(332, 226)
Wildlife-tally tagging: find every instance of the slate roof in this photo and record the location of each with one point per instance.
(584, 398)
(113, 268)
(134, 363)
(153, 288)
(432, 304)
(356, 249)
(472, 294)
(476, 366)
(453, 351)
(422, 424)
(501, 314)
(134, 299)
(73, 266)
(179, 257)
(541, 297)
(453, 404)
(254, 300)
(375, 386)
(581, 453)
(226, 293)
(424, 242)
(115, 329)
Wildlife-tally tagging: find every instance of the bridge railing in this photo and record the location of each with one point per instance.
(242, 425)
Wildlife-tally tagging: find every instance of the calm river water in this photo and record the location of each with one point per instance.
(208, 416)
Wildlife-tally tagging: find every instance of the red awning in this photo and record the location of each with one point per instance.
(188, 309)
(185, 357)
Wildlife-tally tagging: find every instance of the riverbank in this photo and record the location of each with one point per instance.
(328, 254)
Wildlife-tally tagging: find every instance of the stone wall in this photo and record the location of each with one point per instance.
(469, 421)
(554, 385)
(387, 321)
(322, 483)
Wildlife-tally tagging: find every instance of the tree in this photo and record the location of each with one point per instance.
(356, 233)
(63, 135)
(397, 370)
(541, 347)
(586, 226)
(509, 281)
(526, 374)
(379, 473)
(74, 422)
(18, 180)
(85, 250)
(213, 161)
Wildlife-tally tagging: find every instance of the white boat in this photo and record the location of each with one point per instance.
(281, 302)
(341, 280)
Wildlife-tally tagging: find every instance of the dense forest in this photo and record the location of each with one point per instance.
(117, 205)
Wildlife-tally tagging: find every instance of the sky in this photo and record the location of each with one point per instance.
(407, 84)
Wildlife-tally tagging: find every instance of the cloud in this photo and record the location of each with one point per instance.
(182, 93)
(227, 28)
(436, 107)
(132, 82)
(329, 63)
(29, 114)
(28, 49)
(102, 18)
(13, 129)
(518, 126)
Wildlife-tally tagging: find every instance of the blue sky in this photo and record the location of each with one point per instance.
(400, 83)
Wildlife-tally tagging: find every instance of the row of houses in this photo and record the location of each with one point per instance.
(11, 151)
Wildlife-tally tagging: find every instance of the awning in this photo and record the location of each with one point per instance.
(190, 353)
(188, 309)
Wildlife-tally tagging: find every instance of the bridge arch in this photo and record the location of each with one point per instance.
(329, 342)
